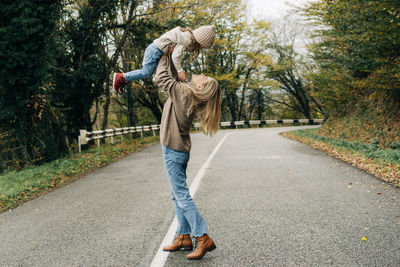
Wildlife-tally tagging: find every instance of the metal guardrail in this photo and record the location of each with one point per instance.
(263, 122)
(86, 136)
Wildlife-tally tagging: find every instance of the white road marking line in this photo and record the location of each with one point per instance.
(161, 256)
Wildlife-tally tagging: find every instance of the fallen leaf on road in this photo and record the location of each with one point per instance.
(379, 193)
(363, 238)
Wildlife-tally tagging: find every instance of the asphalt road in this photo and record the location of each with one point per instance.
(267, 200)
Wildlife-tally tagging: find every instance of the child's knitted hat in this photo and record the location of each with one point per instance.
(205, 35)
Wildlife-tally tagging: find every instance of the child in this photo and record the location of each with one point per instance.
(176, 40)
(202, 97)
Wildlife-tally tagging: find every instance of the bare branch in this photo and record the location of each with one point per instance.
(164, 9)
(284, 103)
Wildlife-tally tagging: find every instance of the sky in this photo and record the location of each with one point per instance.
(271, 8)
(274, 11)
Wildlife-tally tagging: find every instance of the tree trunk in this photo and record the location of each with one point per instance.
(131, 114)
(244, 93)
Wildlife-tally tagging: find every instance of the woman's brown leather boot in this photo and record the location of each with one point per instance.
(181, 242)
(203, 244)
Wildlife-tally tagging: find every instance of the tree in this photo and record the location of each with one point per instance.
(288, 71)
(79, 73)
(119, 44)
(357, 51)
(27, 49)
(237, 55)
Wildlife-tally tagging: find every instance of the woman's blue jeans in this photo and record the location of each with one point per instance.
(189, 217)
(152, 56)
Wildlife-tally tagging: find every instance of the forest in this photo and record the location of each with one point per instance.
(57, 59)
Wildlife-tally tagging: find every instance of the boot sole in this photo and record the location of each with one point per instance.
(179, 249)
(208, 250)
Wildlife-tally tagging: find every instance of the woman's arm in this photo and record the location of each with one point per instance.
(163, 77)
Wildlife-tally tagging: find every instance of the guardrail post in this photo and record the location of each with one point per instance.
(82, 139)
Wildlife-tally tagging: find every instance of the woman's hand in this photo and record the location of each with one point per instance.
(182, 76)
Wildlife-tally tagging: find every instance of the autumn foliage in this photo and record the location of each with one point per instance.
(357, 68)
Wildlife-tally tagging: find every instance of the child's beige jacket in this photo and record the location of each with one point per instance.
(178, 37)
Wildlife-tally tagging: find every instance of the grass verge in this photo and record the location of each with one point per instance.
(383, 163)
(17, 187)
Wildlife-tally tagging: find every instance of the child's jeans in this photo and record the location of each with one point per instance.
(189, 217)
(152, 56)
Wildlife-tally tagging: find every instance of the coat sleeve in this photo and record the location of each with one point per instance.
(177, 57)
(163, 77)
(183, 41)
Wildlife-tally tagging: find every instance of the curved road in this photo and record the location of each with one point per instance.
(268, 201)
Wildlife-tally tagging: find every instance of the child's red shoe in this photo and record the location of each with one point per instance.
(119, 82)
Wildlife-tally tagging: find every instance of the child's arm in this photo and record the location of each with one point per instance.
(183, 40)
(177, 57)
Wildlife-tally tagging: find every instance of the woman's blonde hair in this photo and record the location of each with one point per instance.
(207, 105)
(194, 47)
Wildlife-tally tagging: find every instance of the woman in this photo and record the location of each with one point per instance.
(201, 97)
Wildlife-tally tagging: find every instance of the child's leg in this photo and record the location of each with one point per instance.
(152, 56)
